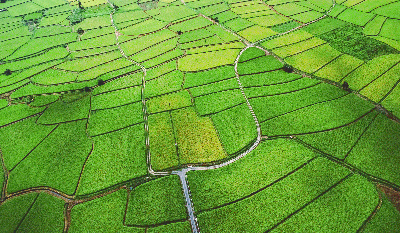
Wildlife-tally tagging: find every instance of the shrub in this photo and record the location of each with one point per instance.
(287, 68)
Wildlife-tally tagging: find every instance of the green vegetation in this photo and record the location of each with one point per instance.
(217, 187)
(277, 201)
(45, 215)
(351, 40)
(380, 159)
(351, 202)
(156, 202)
(162, 141)
(103, 103)
(387, 219)
(197, 140)
(62, 154)
(104, 214)
(116, 157)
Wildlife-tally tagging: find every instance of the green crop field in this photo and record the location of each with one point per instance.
(179, 116)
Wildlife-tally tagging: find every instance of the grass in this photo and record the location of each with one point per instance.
(343, 209)
(213, 188)
(351, 40)
(162, 142)
(16, 143)
(165, 84)
(156, 202)
(13, 211)
(104, 214)
(277, 201)
(371, 70)
(309, 119)
(62, 154)
(386, 220)
(193, 79)
(103, 121)
(339, 142)
(116, 98)
(379, 159)
(117, 157)
(196, 137)
(65, 111)
(168, 102)
(203, 61)
(17, 112)
(236, 128)
(46, 215)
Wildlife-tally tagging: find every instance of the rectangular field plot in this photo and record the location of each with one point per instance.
(163, 149)
(339, 68)
(193, 79)
(167, 83)
(259, 65)
(197, 139)
(281, 88)
(116, 157)
(339, 142)
(203, 61)
(66, 111)
(156, 202)
(168, 102)
(116, 98)
(108, 120)
(277, 201)
(371, 70)
(380, 87)
(219, 101)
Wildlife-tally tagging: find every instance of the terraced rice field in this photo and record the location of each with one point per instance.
(200, 116)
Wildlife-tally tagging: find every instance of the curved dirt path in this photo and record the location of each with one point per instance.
(182, 173)
(144, 106)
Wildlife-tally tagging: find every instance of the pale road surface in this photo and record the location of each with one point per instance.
(182, 173)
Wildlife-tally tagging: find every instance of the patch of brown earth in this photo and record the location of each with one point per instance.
(393, 195)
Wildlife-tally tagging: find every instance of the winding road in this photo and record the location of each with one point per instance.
(182, 173)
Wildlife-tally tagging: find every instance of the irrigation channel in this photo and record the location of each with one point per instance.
(182, 173)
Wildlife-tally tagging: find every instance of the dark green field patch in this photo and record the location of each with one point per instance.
(351, 40)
